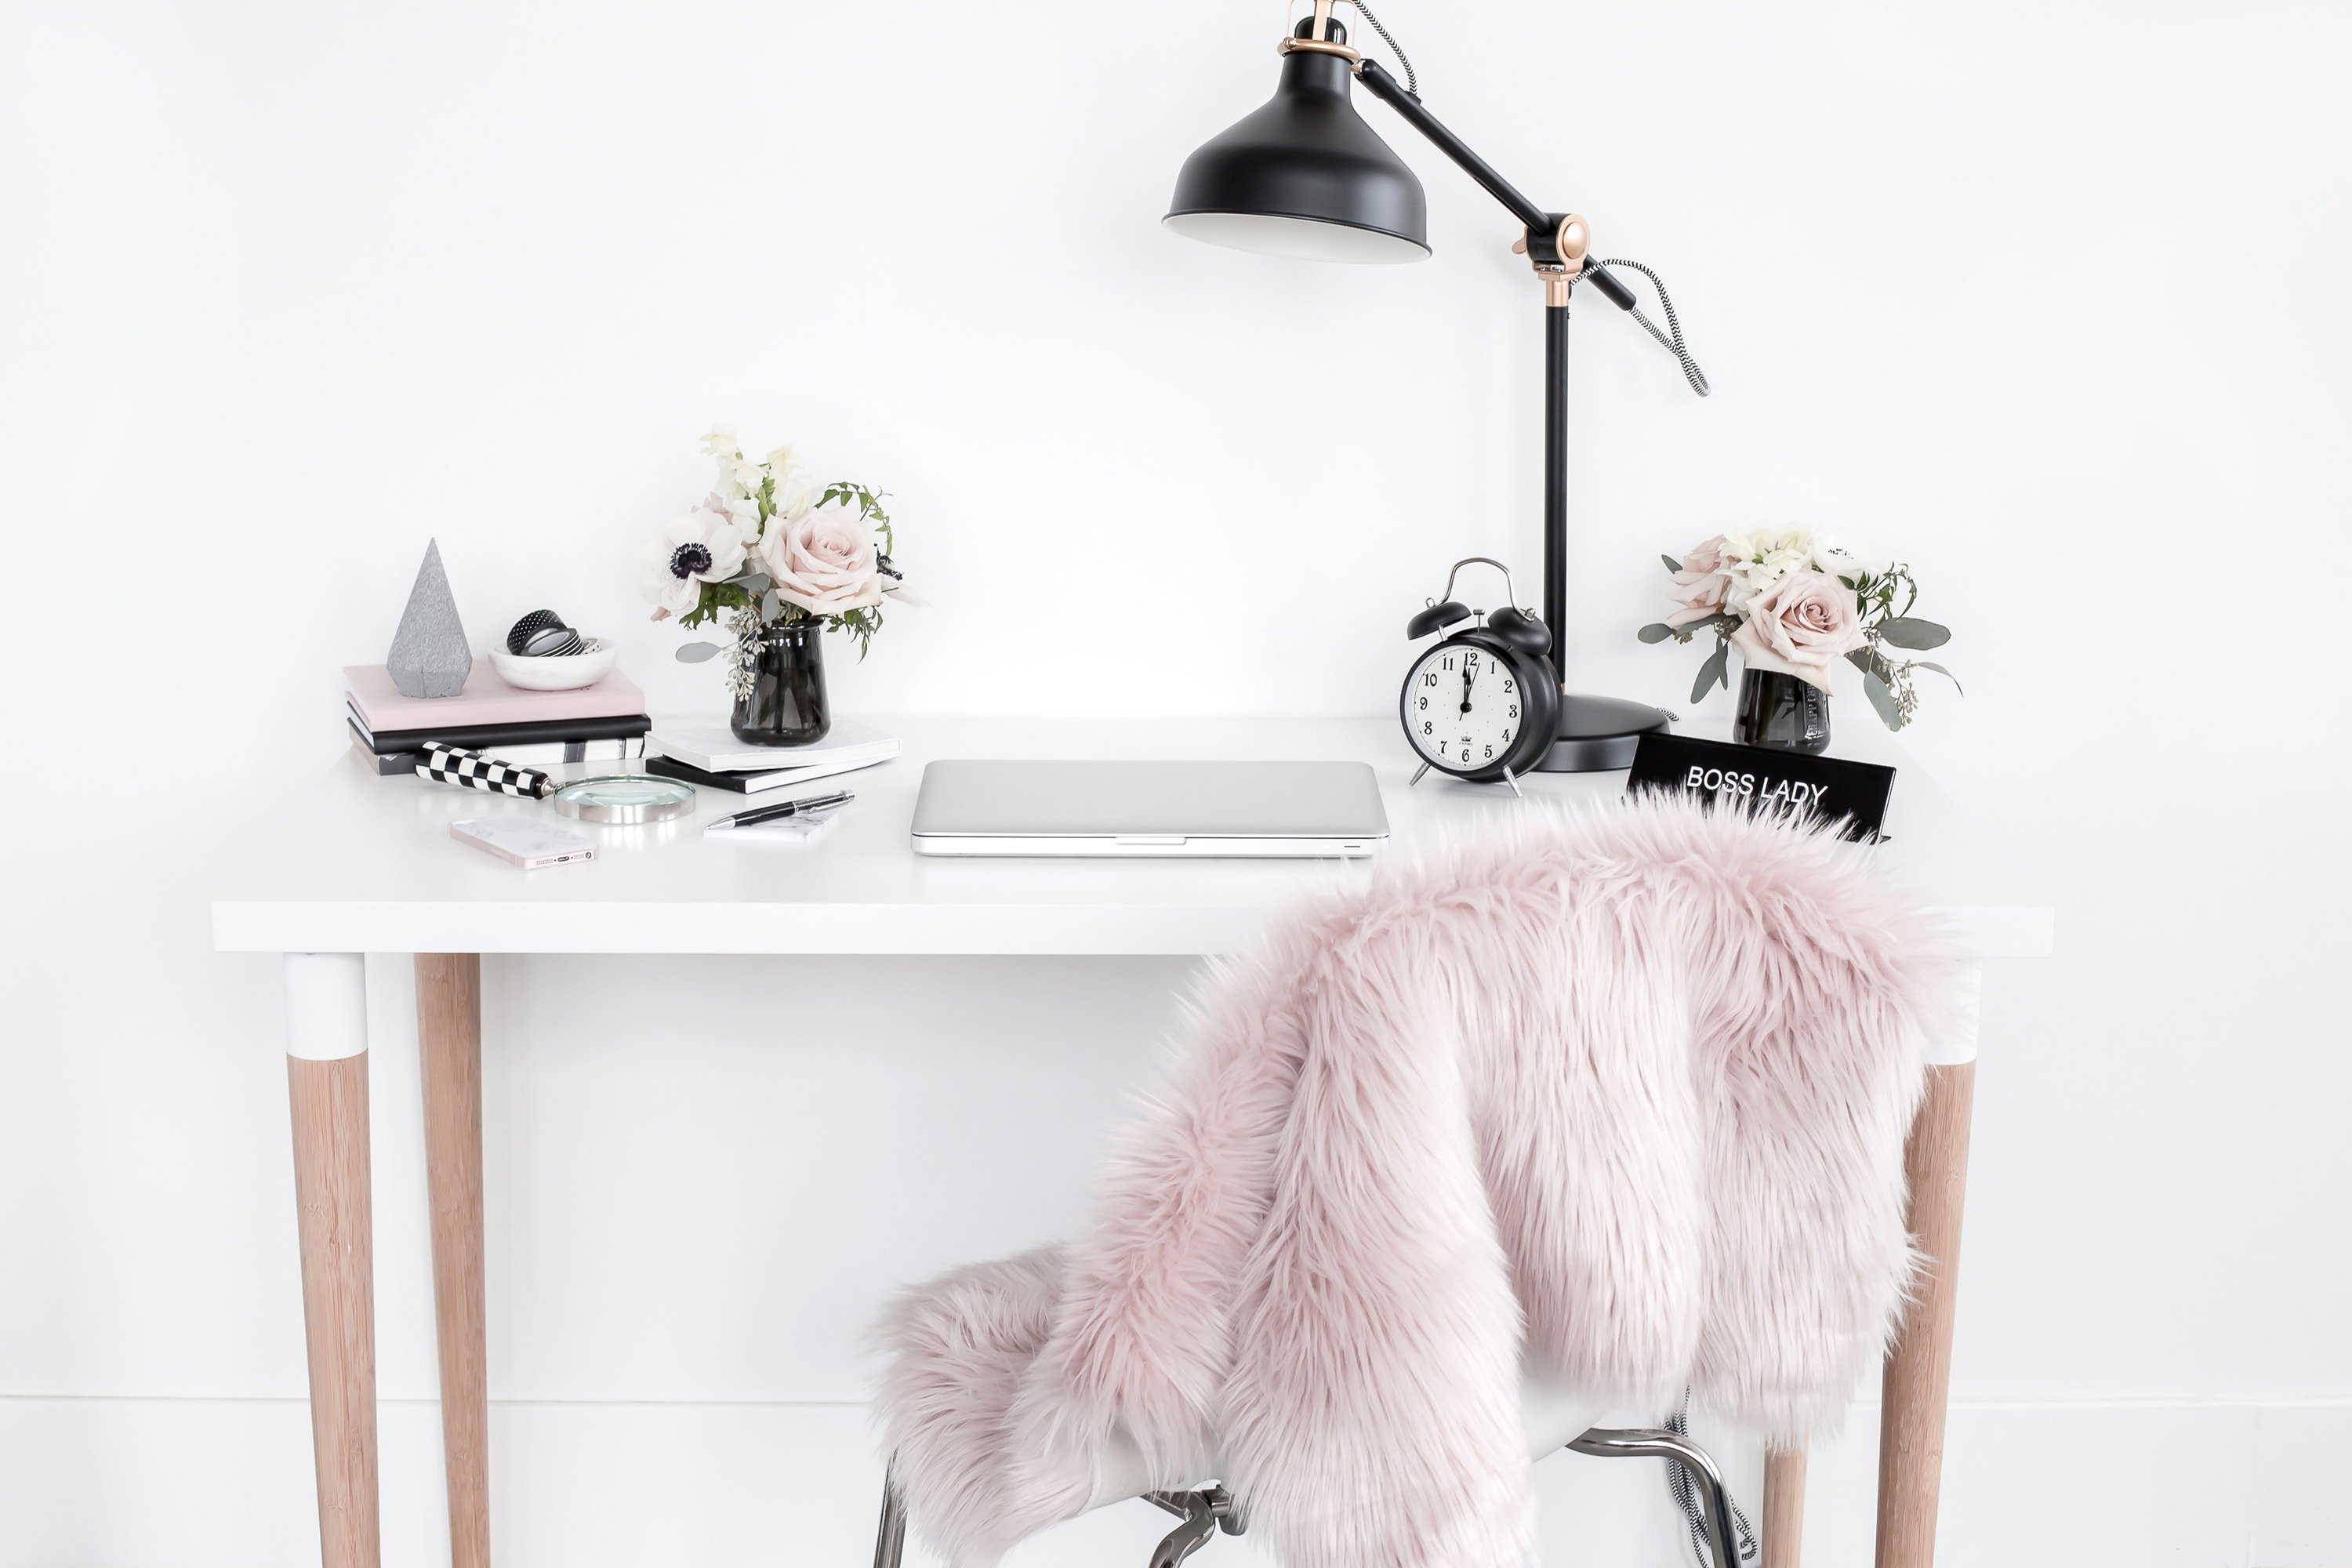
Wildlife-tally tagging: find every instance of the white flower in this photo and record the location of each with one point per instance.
(1755, 558)
(742, 510)
(697, 547)
(739, 476)
(894, 585)
(796, 491)
(720, 442)
(1849, 558)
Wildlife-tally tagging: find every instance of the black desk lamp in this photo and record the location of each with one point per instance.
(1305, 177)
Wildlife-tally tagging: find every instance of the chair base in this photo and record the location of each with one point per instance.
(1652, 1443)
(1204, 1512)
(1211, 1508)
(890, 1539)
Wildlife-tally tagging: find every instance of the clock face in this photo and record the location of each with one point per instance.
(1462, 707)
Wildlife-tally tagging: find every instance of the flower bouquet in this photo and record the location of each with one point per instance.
(782, 559)
(1796, 603)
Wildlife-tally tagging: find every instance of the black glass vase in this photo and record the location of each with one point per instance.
(787, 705)
(1781, 711)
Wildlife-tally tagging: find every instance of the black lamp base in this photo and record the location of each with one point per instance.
(1597, 735)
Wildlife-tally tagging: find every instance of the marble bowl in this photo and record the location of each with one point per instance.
(564, 672)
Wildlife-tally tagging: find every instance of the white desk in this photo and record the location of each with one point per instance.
(362, 865)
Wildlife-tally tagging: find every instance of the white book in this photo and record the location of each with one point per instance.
(714, 748)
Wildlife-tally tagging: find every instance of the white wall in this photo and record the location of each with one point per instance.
(2045, 296)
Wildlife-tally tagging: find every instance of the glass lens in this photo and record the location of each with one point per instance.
(626, 792)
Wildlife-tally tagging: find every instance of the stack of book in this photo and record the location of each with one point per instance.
(710, 755)
(605, 722)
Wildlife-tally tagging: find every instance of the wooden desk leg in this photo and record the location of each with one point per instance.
(1784, 1506)
(449, 1038)
(327, 1079)
(1919, 1369)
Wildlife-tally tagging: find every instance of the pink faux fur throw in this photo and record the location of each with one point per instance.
(1620, 1096)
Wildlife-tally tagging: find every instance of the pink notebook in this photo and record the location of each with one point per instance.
(487, 699)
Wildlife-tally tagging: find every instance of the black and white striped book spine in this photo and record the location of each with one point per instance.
(471, 770)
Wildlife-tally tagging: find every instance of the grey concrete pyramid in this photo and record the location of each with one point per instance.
(429, 656)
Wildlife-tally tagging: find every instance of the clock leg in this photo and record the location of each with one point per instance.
(1514, 784)
(1417, 774)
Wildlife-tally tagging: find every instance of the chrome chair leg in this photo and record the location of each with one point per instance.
(890, 1539)
(1203, 1513)
(1722, 1538)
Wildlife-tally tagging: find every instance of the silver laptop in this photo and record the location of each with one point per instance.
(1173, 809)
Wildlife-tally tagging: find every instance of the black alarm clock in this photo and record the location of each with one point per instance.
(1483, 703)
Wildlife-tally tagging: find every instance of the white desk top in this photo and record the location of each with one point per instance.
(364, 864)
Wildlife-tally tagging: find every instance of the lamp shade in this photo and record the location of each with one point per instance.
(1304, 176)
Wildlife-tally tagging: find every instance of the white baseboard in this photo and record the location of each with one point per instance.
(202, 1483)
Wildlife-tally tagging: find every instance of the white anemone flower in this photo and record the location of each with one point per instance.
(697, 547)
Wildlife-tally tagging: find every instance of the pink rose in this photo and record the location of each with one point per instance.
(823, 560)
(1801, 625)
(1700, 585)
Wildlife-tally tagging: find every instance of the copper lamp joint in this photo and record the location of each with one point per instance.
(1316, 46)
(1318, 41)
(1571, 242)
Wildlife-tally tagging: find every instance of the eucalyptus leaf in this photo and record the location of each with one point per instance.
(771, 606)
(1716, 670)
(754, 582)
(1672, 564)
(1656, 631)
(1870, 661)
(1906, 631)
(1882, 698)
(696, 652)
(1948, 675)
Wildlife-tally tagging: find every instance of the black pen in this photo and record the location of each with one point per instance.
(782, 809)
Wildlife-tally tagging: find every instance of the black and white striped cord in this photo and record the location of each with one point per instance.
(1364, 11)
(1686, 1491)
(1672, 339)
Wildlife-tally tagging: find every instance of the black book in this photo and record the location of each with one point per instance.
(383, 765)
(740, 784)
(482, 737)
(749, 783)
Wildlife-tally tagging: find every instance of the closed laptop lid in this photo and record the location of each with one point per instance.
(1032, 799)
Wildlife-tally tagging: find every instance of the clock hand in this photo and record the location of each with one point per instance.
(1466, 670)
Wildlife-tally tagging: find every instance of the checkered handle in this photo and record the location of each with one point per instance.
(471, 770)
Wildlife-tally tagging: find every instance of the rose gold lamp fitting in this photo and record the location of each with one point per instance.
(1571, 242)
(1318, 40)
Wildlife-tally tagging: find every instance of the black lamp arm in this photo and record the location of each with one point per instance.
(1540, 224)
(1392, 92)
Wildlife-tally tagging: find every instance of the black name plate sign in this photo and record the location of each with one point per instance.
(1759, 779)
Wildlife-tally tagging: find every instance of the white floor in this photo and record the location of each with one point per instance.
(200, 1483)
